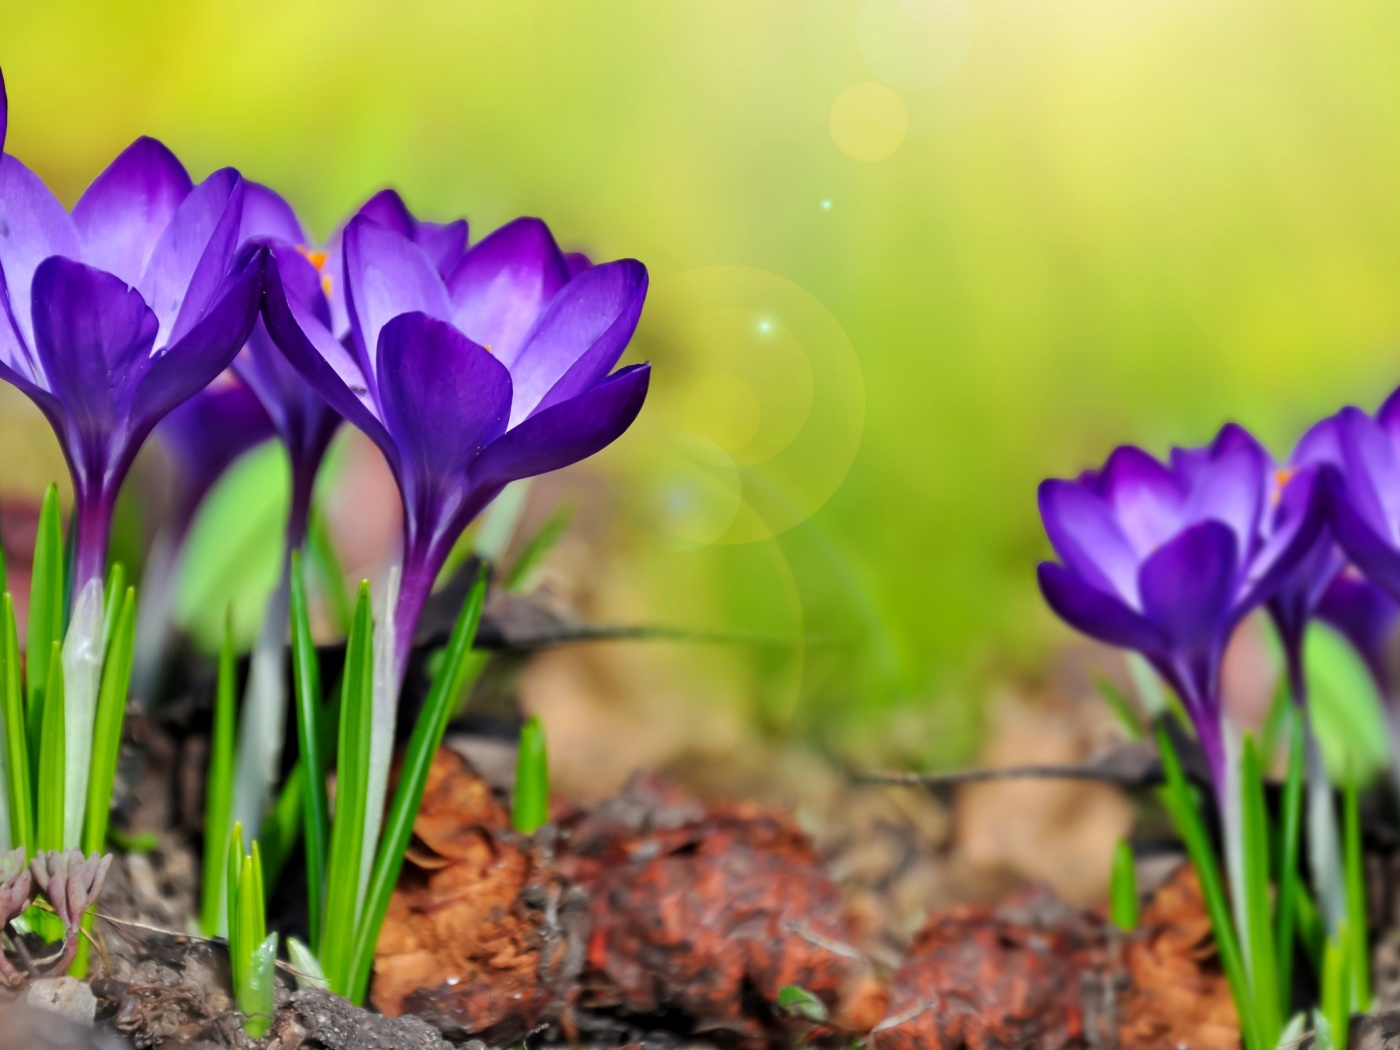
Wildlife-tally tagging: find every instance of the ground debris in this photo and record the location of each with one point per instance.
(471, 938)
(712, 913)
(648, 906)
(986, 979)
(1177, 992)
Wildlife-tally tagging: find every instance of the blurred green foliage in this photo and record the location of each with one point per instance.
(1092, 221)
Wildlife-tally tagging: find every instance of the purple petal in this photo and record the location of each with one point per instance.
(1371, 552)
(504, 283)
(576, 262)
(33, 226)
(4, 111)
(301, 417)
(1147, 499)
(266, 214)
(580, 338)
(1372, 471)
(1366, 616)
(386, 275)
(93, 335)
(1295, 528)
(1230, 486)
(1088, 539)
(567, 432)
(444, 398)
(190, 263)
(187, 366)
(312, 350)
(1321, 444)
(1096, 613)
(1188, 586)
(389, 210)
(443, 243)
(122, 215)
(14, 353)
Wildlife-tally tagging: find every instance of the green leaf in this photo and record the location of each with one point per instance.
(308, 968)
(233, 553)
(116, 587)
(46, 610)
(1261, 960)
(1336, 991)
(1122, 888)
(1121, 707)
(107, 728)
(315, 807)
(530, 807)
(218, 793)
(1355, 877)
(1179, 801)
(49, 830)
(233, 870)
(539, 545)
(21, 793)
(1345, 707)
(795, 1000)
(257, 1000)
(352, 776)
(1288, 888)
(423, 745)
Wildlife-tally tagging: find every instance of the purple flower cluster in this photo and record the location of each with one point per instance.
(470, 365)
(1166, 558)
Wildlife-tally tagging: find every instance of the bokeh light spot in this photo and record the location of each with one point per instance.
(868, 122)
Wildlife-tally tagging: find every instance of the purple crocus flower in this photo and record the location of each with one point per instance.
(1364, 496)
(1166, 559)
(499, 372)
(113, 316)
(1296, 599)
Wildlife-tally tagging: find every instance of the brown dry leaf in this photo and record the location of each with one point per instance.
(460, 942)
(1179, 995)
(985, 980)
(691, 909)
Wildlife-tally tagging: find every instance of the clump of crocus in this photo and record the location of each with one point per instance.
(1167, 558)
(71, 883)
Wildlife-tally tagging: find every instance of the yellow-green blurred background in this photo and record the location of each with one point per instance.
(908, 257)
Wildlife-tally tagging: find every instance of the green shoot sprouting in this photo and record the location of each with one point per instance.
(252, 950)
(1122, 889)
(530, 807)
(218, 790)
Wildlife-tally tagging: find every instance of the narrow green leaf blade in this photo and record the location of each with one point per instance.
(423, 745)
(1288, 885)
(46, 608)
(539, 545)
(1122, 888)
(1254, 818)
(1357, 926)
(49, 833)
(107, 729)
(218, 793)
(21, 794)
(530, 806)
(315, 807)
(352, 775)
(1121, 707)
